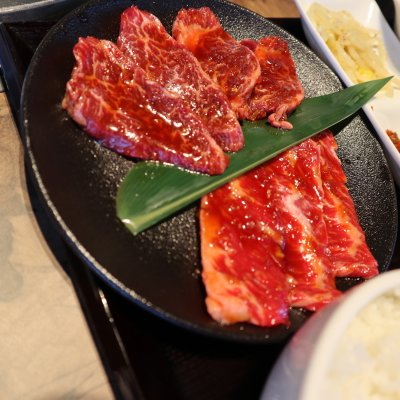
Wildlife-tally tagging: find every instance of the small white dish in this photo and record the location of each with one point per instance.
(382, 111)
(303, 368)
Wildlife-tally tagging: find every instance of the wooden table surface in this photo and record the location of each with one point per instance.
(46, 348)
(271, 8)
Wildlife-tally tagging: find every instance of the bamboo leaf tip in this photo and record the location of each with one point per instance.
(130, 225)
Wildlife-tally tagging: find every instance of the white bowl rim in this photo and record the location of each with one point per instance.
(349, 305)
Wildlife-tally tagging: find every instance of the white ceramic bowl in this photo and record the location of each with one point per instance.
(301, 370)
(383, 112)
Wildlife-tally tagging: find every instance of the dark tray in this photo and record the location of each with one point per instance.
(144, 357)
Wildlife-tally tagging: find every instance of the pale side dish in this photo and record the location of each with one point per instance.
(359, 50)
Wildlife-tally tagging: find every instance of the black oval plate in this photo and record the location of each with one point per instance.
(160, 269)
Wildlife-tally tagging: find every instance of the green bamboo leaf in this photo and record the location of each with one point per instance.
(153, 191)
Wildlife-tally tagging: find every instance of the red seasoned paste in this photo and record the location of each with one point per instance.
(112, 99)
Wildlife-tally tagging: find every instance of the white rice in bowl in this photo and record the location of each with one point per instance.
(366, 363)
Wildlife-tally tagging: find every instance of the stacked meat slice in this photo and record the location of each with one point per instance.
(143, 38)
(148, 97)
(279, 236)
(258, 77)
(278, 91)
(233, 66)
(118, 105)
(178, 101)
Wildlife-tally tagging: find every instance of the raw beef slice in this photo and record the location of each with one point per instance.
(145, 40)
(242, 258)
(278, 90)
(112, 99)
(278, 236)
(350, 254)
(233, 66)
